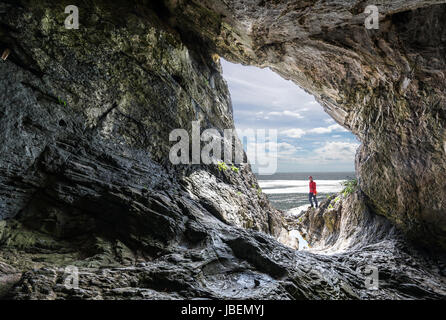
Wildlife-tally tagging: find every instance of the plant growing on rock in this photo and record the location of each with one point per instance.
(350, 187)
(332, 202)
(222, 166)
(259, 191)
(206, 81)
(62, 102)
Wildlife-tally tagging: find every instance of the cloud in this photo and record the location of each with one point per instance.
(324, 155)
(265, 157)
(330, 129)
(262, 100)
(294, 133)
(286, 149)
(271, 148)
(336, 151)
(299, 133)
(263, 88)
(285, 113)
(332, 155)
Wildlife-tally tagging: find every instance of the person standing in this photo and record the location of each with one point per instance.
(313, 192)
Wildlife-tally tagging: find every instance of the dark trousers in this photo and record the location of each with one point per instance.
(312, 196)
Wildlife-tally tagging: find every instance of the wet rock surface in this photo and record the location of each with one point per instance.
(344, 222)
(344, 229)
(85, 180)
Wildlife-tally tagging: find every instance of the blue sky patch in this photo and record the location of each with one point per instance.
(309, 140)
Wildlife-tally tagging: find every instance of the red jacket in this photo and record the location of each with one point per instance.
(313, 187)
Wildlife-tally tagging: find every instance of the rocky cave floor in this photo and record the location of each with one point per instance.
(213, 260)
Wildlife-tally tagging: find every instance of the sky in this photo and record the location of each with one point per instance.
(308, 139)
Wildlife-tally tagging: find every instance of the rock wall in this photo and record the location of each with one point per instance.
(387, 86)
(344, 223)
(85, 179)
(92, 109)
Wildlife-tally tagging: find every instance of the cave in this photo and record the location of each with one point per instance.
(85, 178)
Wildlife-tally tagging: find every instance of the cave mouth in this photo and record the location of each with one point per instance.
(159, 231)
(301, 137)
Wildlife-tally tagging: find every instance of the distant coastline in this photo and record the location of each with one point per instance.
(288, 191)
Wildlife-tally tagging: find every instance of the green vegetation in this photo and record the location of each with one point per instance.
(62, 102)
(206, 81)
(336, 200)
(258, 189)
(350, 187)
(222, 166)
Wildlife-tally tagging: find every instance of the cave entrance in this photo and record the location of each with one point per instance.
(309, 141)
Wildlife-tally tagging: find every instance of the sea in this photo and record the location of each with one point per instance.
(289, 191)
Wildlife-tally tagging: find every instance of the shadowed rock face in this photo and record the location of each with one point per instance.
(344, 223)
(124, 81)
(387, 86)
(85, 180)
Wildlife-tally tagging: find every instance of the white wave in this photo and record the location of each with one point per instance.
(296, 183)
(299, 186)
(297, 211)
(303, 244)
